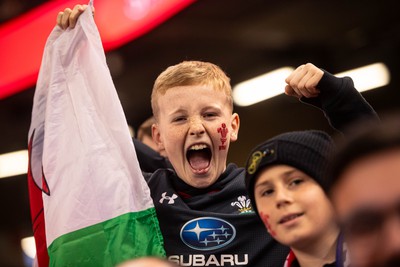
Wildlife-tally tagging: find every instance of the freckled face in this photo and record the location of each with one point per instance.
(292, 205)
(190, 128)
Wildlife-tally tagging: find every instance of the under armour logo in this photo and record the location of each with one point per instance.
(169, 198)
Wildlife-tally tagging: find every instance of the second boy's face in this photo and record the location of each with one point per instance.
(293, 206)
(195, 127)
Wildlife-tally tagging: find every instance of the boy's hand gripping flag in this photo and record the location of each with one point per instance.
(90, 205)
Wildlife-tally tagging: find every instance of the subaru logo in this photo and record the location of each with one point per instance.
(207, 233)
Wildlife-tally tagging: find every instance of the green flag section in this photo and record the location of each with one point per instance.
(90, 203)
(109, 242)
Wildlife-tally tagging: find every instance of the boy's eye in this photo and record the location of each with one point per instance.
(296, 181)
(267, 192)
(210, 115)
(178, 119)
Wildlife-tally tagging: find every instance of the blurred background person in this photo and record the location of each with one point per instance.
(365, 191)
(150, 156)
(144, 135)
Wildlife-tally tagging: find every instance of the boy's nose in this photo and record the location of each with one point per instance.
(196, 128)
(283, 197)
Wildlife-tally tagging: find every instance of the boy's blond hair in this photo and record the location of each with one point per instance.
(189, 73)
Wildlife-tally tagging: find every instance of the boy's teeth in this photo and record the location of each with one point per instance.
(197, 147)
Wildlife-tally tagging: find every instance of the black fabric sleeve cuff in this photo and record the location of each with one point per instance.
(340, 102)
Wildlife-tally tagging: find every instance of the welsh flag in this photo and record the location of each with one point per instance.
(90, 204)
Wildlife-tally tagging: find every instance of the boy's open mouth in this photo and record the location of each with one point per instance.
(199, 157)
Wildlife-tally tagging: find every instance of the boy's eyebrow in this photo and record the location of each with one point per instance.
(211, 107)
(182, 110)
(282, 175)
(177, 111)
(289, 172)
(262, 184)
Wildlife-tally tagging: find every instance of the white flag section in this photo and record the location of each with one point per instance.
(96, 203)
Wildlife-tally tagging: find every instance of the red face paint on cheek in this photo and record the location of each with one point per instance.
(265, 219)
(223, 131)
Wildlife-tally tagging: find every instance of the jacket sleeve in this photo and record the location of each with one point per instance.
(341, 103)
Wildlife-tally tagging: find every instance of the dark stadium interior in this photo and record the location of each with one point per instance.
(246, 39)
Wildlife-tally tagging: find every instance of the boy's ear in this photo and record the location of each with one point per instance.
(155, 133)
(235, 125)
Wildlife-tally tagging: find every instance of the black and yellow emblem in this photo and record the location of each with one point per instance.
(256, 158)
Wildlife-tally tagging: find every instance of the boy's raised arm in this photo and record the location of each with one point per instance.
(337, 97)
